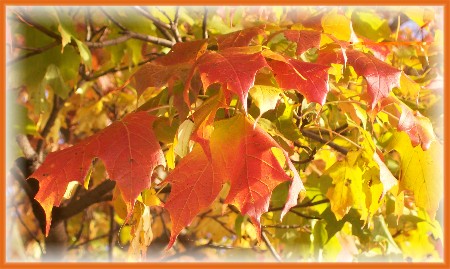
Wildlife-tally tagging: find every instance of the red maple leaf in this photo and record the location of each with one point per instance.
(305, 39)
(418, 127)
(195, 185)
(234, 68)
(128, 148)
(309, 79)
(165, 70)
(239, 38)
(247, 161)
(380, 76)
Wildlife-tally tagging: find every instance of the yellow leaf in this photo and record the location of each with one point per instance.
(181, 143)
(337, 25)
(421, 171)
(265, 97)
(170, 157)
(347, 191)
(149, 198)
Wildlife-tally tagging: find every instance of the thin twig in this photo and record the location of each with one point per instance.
(118, 24)
(304, 215)
(204, 24)
(109, 42)
(80, 231)
(336, 133)
(283, 226)
(57, 103)
(270, 246)
(91, 240)
(28, 230)
(162, 27)
(27, 20)
(174, 25)
(316, 137)
(36, 51)
(221, 224)
(115, 69)
(111, 233)
(307, 204)
(149, 16)
(88, 22)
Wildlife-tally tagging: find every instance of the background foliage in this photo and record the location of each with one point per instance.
(70, 75)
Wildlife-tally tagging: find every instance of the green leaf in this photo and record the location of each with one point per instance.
(85, 53)
(54, 78)
(370, 25)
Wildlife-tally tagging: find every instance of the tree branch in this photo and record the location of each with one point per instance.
(174, 25)
(307, 204)
(149, 16)
(93, 196)
(110, 42)
(90, 240)
(118, 24)
(27, 20)
(270, 247)
(162, 27)
(204, 24)
(32, 235)
(57, 103)
(25, 146)
(35, 51)
(316, 137)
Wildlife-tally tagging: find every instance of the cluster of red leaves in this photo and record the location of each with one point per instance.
(232, 150)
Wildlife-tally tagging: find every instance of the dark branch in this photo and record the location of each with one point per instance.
(204, 24)
(27, 20)
(118, 24)
(303, 205)
(35, 51)
(57, 103)
(316, 137)
(96, 195)
(91, 240)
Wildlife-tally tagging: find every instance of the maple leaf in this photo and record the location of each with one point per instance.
(252, 167)
(380, 76)
(248, 162)
(387, 179)
(128, 148)
(418, 127)
(234, 68)
(347, 190)
(419, 172)
(195, 186)
(169, 68)
(305, 39)
(239, 38)
(309, 79)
